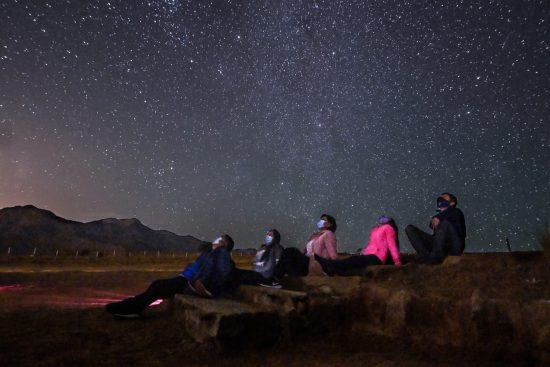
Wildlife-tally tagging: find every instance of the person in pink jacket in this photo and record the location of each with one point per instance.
(383, 243)
(322, 243)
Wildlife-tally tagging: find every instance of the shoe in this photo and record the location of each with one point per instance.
(270, 284)
(325, 265)
(124, 309)
(199, 288)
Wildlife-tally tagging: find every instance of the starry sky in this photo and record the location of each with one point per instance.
(202, 117)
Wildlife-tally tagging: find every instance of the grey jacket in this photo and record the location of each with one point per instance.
(266, 258)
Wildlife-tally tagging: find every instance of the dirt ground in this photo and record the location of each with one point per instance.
(52, 315)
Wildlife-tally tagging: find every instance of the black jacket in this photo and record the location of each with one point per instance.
(455, 217)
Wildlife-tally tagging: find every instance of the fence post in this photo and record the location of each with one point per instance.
(114, 253)
(76, 253)
(56, 253)
(9, 251)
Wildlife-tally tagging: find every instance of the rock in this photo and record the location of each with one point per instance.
(336, 286)
(281, 300)
(227, 324)
(292, 306)
(452, 260)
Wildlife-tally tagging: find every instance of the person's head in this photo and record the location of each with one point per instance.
(272, 237)
(223, 241)
(442, 204)
(327, 222)
(450, 198)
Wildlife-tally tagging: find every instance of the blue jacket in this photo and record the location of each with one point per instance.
(215, 271)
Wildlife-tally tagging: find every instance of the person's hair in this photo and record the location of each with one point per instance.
(331, 221)
(394, 226)
(229, 242)
(452, 197)
(276, 235)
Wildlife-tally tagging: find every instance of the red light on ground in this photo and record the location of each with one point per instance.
(13, 287)
(157, 302)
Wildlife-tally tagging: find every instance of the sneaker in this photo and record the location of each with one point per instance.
(199, 288)
(124, 309)
(270, 284)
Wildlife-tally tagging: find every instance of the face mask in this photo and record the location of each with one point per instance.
(321, 224)
(217, 241)
(268, 240)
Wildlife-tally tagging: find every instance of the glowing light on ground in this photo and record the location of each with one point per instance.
(13, 287)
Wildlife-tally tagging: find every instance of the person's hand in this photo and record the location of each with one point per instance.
(435, 222)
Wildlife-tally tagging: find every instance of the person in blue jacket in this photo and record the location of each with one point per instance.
(208, 276)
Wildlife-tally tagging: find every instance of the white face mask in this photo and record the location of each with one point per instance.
(268, 239)
(217, 241)
(321, 224)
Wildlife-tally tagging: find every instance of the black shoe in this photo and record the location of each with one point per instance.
(325, 265)
(125, 309)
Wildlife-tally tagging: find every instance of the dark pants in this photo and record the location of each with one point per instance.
(293, 263)
(160, 289)
(353, 262)
(248, 277)
(435, 247)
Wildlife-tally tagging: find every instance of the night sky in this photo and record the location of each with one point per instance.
(203, 117)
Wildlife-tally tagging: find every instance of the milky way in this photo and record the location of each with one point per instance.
(226, 116)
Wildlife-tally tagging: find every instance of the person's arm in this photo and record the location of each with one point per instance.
(193, 267)
(392, 246)
(270, 261)
(329, 241)
(436, 219)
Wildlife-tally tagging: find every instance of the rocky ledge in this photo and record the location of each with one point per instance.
(494, 304)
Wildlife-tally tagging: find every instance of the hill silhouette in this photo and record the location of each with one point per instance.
(23, 228)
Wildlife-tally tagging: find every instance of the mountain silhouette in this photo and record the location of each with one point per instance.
(23, 228)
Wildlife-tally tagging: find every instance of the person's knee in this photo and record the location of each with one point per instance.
(155, 283)
(410, 229)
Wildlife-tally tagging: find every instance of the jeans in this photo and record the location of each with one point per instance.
(434, 248)
(351, 263)
(293, 262)
(248, 277)
(160, 289)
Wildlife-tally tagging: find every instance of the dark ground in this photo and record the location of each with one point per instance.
(52, 315)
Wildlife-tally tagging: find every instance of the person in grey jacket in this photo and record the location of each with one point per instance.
(263, 266)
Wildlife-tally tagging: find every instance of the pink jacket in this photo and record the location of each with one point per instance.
(382, 240)
(324, 244)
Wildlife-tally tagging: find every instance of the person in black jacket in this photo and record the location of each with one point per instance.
(449, 233)
(208, 276)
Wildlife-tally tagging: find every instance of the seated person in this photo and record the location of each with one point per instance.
(207, 276)
(383, 240)
(322, 243)
(449, 233)
(263, 266)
